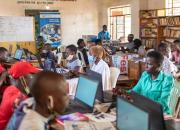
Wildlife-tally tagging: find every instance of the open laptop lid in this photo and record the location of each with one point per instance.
(154, 108)
(97, 76)
(86, 91)
(18, 54)
(130, 116)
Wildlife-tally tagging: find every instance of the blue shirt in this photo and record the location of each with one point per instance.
(157, 90)
(104, 35)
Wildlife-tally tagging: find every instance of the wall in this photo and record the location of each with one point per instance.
(156, 4)
(135, 7)
(78, 18)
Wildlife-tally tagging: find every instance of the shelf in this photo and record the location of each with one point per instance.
(149, 37)
(150, 18)
(169, 25)
(148, 27)
(170, 37)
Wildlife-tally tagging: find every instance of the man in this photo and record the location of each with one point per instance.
(153, 83)
(50, 98)
(21, 76)
(104, 34)
(168, 66)
(130, 46)
(81, 47)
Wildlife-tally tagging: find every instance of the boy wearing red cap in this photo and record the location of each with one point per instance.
(21, 76)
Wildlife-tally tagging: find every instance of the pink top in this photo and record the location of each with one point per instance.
(176, 56)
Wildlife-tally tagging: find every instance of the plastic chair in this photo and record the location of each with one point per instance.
(173, 100)
(114, 74)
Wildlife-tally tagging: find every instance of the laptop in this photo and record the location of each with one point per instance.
(155, 110)
(130, 116)
(84, 97)
(101, 95)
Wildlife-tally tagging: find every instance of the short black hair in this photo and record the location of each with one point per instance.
(105, 26)
(157, 56)
(80, 41)
(177, 41)
(137, 43)
(72, 48)
(98, 41)
(131, 35)
(2, 50)
(163, 45)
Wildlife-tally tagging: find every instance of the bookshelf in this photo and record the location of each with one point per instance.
(155, 27)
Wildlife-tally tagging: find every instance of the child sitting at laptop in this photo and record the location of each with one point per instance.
(49, 99)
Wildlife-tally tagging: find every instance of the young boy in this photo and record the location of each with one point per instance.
(50, 98)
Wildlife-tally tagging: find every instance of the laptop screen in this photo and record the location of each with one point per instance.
(130, 117)
(18, 54)
(86, 90)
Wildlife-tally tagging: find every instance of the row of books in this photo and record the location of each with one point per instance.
(149, 23)
(147, 32)
(149, 43)
(170, 21)
(174, 33)
(148, 14)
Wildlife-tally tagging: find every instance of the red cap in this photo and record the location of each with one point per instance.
(22, 68)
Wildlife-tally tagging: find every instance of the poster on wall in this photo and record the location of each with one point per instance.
(50, 28)
(121, 62)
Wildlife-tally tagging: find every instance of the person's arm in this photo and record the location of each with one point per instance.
(138, 87)
(108, 36)
(85, 57)
(3, 78)
(165, 93)
(99, 35)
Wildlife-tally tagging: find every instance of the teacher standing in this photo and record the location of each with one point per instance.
(104, 34)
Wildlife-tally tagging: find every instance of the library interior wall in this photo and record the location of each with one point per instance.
(83, 16)
(78, 18)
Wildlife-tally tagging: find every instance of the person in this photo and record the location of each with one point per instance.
(50, 99)
(100, 66)
(176, 52)
(104, 34)
(130, 44)
(137, 44)
(81, 47)
(3, 72)
(21, 75)
(154, 83)
(39, 43)
(168, 66)
(73, 63)
(50, 60)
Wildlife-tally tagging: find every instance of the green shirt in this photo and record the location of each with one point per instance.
(157, 90)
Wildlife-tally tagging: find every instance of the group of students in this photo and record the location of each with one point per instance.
(31, 98)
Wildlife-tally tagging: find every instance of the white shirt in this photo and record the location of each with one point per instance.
(73, 64)
(103, 69)
(168, 67)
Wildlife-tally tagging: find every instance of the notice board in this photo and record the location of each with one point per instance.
(16, 29)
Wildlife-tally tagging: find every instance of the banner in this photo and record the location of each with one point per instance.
(121, 62)
(50, 28)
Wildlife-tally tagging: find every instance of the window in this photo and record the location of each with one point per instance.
(120, 22)
(173, 7)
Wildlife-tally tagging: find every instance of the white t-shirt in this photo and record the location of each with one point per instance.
(103, 69)
(168, 67)
(73, 64)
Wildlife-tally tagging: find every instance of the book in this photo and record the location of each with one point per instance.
(77, 125)
(73, 117)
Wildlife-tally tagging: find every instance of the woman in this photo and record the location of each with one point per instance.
(73, 63)
(21, 75)
(154, 83)
(100, 66)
